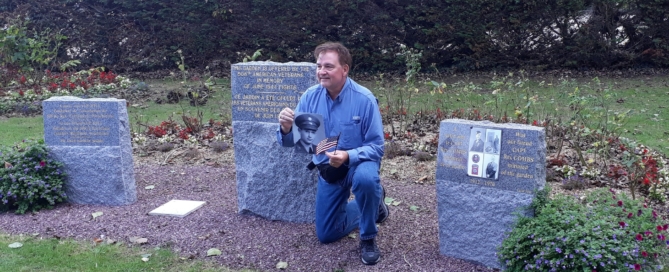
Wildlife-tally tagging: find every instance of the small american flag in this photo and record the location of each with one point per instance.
(326, 144)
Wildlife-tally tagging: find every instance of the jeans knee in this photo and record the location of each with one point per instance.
(366, 178)
(327, 235)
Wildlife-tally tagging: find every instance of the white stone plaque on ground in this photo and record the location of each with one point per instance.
(178, 208)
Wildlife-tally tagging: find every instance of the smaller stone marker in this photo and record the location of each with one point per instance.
(485, 173)
(178, 208)
(272, 181)
(92, 139)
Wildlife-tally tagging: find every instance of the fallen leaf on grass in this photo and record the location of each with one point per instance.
(388, 200)
(97, 240)
(15, 245)
(395, 203)
(96, 214)
(282, 265)
(213, 252)
(144, 259)
(414, 208)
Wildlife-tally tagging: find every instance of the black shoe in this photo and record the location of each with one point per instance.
(384, 212)
(369, 252)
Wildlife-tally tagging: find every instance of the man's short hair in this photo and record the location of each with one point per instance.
(342, 52)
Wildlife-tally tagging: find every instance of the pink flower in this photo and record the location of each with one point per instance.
(637, 267)
(643, 253)
(639, 237)
(665, 227)
(622, 224)
(654, 214)
(620, 203)
(42, 164)
(659, 228)
(661, 237)
(629, 215)
(648, 233)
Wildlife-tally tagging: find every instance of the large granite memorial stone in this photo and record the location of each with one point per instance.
(485, 173)
(272, 181)
(92, 139)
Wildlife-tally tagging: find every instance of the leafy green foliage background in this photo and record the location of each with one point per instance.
(130, 35)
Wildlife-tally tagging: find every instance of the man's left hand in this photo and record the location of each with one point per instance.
(337, 158)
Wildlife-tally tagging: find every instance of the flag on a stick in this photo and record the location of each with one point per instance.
(326, 144)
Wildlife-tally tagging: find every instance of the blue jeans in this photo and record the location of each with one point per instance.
(336, 217)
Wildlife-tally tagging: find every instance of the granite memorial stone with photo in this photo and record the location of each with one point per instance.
(272, 181)
(92, 139)
(485, 173)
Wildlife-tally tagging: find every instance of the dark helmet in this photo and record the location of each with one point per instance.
(307, 121)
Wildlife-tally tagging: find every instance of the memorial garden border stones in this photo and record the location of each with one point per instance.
(272, 181)
(92, 139)
(476, 203)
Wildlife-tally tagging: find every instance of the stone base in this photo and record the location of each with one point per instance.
(272, 181)
(473, 220)
(102, 175)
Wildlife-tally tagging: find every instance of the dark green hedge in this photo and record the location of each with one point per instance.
(132, 35)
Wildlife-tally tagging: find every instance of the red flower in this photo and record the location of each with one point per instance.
(665, 227)
(646, 181)
(659, 228)
(535, 123)
(622, 224)
(21, 92)
(661, 237)
(654, 214)
(629, 215)
(52, 87)
(643, 253)
(386, 135)
(620, 203)
(648, 233)
(42, 164)
(22, 80)
(637, 267)
(639, 237)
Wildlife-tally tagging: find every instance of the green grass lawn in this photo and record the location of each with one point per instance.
(14, 130)
(38, 254)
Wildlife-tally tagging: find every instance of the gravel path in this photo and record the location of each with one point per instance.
(408, 240)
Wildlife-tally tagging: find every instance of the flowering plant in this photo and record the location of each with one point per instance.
(609, 232)
(29, 179)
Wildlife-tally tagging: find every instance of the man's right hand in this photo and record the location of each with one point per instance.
(286, 120)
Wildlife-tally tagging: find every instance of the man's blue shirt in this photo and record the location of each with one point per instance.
(354, 113)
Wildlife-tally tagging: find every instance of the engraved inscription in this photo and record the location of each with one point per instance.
(457, 159)
(80, 123)
(270, 89)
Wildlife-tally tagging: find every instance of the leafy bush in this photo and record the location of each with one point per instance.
(609, 232)
(29, 179)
